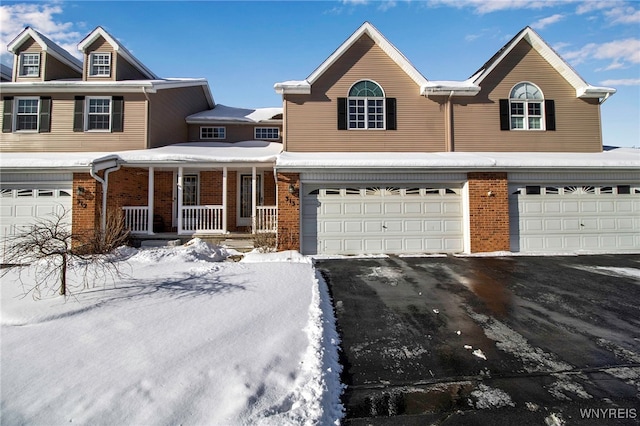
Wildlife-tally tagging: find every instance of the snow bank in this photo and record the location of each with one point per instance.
(181, 338)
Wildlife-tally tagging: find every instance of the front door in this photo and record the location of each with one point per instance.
(244, 207)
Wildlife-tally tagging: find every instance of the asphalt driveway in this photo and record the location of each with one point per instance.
(485, 340)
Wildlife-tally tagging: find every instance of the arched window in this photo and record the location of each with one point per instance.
(526, 105)
(366, 106)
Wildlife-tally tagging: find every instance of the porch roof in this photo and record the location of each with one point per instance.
(204, 152)
(200, 153)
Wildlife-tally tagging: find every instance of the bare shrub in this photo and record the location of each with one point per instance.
(265, 242)
(50, 247)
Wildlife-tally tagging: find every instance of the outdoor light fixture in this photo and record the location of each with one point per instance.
(292, 188)
(80, 191)
(490, 194)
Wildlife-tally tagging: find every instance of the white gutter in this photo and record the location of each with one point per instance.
(108, 164)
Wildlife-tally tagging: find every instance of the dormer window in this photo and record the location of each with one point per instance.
(100, 64)
(29, 65)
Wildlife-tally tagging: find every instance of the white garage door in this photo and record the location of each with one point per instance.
(342, 219)
(23, 204)
(569, 218)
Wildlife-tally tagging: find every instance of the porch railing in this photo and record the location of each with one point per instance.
(266, 218)
(202, 218)
(199, 218)
(136, 219)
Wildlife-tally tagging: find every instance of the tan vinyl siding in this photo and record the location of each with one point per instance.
(126, 71)
(477, 120)
(30, 46)
(168, 110)
(311, 120)
(234, 132)
(56, 70)
(100, 46)
(63, 138)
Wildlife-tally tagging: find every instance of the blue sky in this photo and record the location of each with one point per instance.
(243, 48)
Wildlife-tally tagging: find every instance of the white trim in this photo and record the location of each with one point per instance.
(91, 65)
(304, 86)
(15, 114)
(583, 89)
(117, 47)
(87, 101)
(47, 46)
(225, 204)
(22, 65)
(150, 204)
(224, 131)
(466, 218)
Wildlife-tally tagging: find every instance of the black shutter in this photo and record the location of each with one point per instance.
(117, 114)
(504, 114)
(45, 114)
(391, 114)
(7, 116)
(550, 114)
(342, 113)
(78, 114)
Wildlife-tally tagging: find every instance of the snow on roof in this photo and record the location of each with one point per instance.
(196, 152)
(224, 113)
(213, 152)
(623, 158)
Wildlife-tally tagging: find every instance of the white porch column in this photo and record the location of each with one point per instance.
(180, 173)
(224, 199)
(151, 187)
(254, 196)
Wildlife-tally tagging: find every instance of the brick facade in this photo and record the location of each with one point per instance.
(288, 211)
(87, 203)
(488, 212)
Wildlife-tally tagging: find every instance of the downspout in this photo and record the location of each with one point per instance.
(449, 123)
(605, 98)
(146, 96)
(105, 185)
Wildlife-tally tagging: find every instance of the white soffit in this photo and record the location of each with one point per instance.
(550, 55)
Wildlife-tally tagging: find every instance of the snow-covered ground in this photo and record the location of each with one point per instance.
(183, 338)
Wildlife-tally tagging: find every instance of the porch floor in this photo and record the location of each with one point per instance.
(241, 241)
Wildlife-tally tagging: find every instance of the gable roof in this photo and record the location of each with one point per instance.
(47, 45)
(583, 89)
(304, 86)
(100, 32)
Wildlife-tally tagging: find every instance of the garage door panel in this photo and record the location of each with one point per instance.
(372, 208)
(372, 226)
(331, 208)
(413, 208)
(393, 226)
(393, 208)
(409, 219)
(353, 208)
(575, 217)
(352, 226)
(24, 204)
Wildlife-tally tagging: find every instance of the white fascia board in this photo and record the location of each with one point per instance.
(61, 55)
(383, 43)
(550, 55)
(449, 89)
